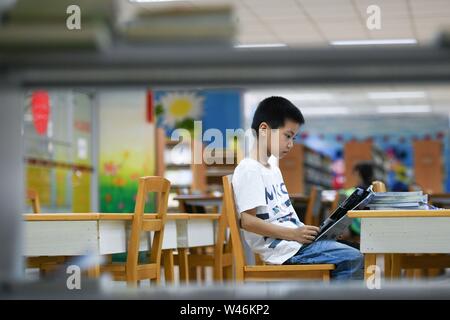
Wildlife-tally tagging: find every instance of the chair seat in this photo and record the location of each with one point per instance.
(290, 267)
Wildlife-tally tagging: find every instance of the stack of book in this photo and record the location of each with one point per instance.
(399, 201)
(199, 24)
(64, 24)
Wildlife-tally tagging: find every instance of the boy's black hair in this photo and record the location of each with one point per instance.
(274, 111)
(365, 171)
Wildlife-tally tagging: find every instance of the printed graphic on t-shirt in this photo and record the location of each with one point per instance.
(262, 188)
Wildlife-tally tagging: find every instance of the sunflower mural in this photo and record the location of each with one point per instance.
(179, 110)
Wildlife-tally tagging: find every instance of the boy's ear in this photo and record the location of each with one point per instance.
(263, 127)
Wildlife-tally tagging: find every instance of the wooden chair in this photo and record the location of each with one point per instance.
(43, 263)
(33, 197)
(244, 272)
(132, 271)
(220, 259)
(415, 265)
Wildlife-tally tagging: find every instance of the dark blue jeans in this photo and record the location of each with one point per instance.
(349, 262)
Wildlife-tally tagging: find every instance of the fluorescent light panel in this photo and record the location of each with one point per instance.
(260, 45)
(404, 109)
(373, 42)
(324, 110)
(396, 95)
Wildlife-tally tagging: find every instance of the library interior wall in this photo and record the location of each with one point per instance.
(393, 134)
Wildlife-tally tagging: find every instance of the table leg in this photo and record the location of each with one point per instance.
(396, 266)
(183, 264)
(168, 265)
(370, 259)
(387, 266)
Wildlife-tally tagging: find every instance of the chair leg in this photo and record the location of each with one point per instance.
(228, 273)
(410, 273)
(218, 269)
(94, 272)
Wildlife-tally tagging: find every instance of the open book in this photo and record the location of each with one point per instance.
(338, 221)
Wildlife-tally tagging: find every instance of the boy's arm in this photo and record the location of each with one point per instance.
(249, 222)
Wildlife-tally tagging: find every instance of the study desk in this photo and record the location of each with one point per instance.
(402, 232)
(199, 200)
(76, 234)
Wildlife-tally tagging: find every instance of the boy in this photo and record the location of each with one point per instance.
(271, 226)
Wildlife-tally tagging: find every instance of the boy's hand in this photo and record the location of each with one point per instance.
(305, 234)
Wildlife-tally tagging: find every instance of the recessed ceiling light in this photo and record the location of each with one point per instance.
(260, 45)
(373, 42)
(396, 95)
(404, 109)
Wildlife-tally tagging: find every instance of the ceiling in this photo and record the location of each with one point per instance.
(299, 23)
(319, 22)
(361, 100)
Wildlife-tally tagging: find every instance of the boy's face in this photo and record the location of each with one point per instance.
(282, 139)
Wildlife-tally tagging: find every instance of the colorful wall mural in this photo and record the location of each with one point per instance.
(127, 149)
(219, 109)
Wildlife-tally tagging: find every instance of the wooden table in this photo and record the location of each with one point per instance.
(402, 231)
(199, 200)
(70, 234)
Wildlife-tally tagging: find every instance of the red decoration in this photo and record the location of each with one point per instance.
(304, 135)
(149, 108)
(40, 110)
(440, 135)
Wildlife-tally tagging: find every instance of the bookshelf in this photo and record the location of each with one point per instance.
(220, 163)
(357, 151)
(429, 169)
(304, 167)
(174, 162)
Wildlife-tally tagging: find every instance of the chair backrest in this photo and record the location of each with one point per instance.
(229, 208)
(378, 186)
(313, 207)
(33, 197)
(161, 187)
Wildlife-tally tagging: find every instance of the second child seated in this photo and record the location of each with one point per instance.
(271, 226)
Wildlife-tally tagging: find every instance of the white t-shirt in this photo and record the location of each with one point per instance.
(256, 186)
